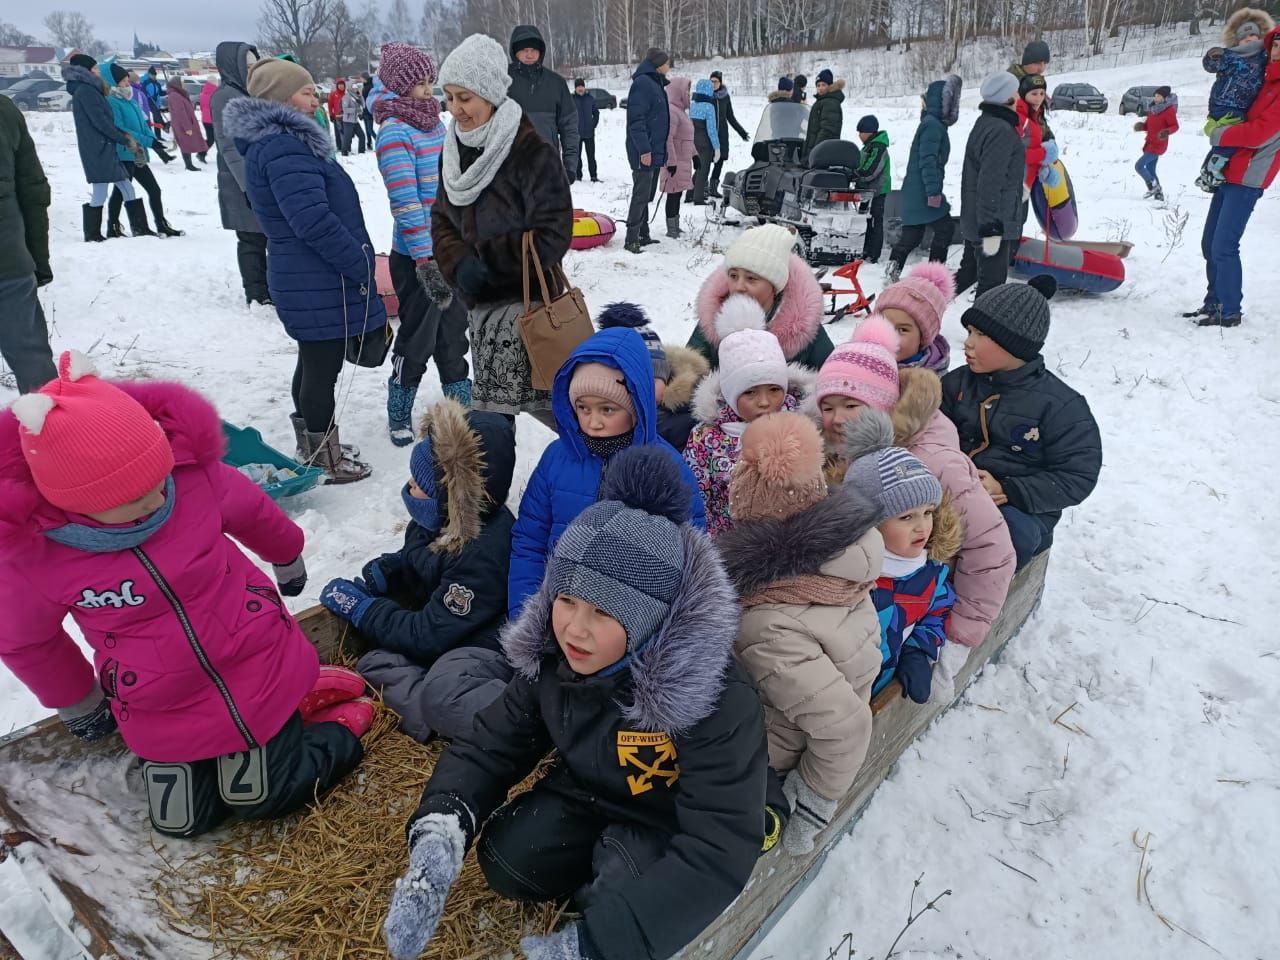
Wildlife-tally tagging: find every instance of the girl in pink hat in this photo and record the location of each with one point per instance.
(915, 305)
(115, 509)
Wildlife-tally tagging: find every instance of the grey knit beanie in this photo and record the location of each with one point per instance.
(893, 478)
(999, 88)
(478, 64)
(1014, 315)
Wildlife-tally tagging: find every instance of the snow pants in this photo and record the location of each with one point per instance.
(1031, 533)
(251, 257)
(987, 272)
(24, 336)
(911, 236)
(274, 779)
(426, 332)
(1229, 214)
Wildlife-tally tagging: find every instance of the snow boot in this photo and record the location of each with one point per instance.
(400, 412)
(113, 226)
(303, 451)
(459, 390)
(892, 271)
(1157, 192)
(338, 465)
(1197, 313)
(203, 156)
(137, 218)
(631, 246)
(1216, 319)
(334, 685)
(186, 159)
(158, 147)
(673, 228)
(1151, 190)
(165, 229)
(713, 190)
(356, 715)
(92, 217)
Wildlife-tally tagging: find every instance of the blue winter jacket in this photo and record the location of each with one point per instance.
(320, 260)
(96, 133)
(648, 119)
(129, 119)
(703, 109)
(588, 115)
(567, 478)
(1240, 76)
(409, 160)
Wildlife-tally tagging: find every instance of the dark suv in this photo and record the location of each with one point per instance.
(25, 93)
(1137, 100)
(1084, 97)
(603, 98)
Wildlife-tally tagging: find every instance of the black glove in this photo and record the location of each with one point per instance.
(90, 719)
(434, 283)
(44, 274)
(291, 577)
(379, 572)
(915, 673)
(472, 275)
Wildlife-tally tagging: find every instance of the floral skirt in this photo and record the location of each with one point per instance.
(500, 368)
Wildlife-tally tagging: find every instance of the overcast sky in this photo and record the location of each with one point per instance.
(186, 25)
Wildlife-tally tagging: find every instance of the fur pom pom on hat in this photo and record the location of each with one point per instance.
(895, 479)
(923, 294)
(89, 445)
(779, 473)
(765, 251)
(632, 315)
(739, 312)
(865, 368)
(478, 64)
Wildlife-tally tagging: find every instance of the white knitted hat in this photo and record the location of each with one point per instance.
(765, 251)
(478, 64)
(750, 358)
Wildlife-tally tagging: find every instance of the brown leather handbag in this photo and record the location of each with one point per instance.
(554, 329)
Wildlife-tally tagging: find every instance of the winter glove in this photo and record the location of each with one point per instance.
(1049, 176)
(671, 171)
(951, 660)
(744, 137)
(436, 849)
(434, 283)
(561, 945)
(935, 201)
(1162, 135)
(377, 573)
(810, 815)
(291, 577)
(1215, 53)
(132, 145)
(1139, 127)
(991, 246)
(1026, 191)
(472, 275)
(715, 156)
(914, 672)
(44, 274)
(349, 599)
(1051, 153)
(90, 719)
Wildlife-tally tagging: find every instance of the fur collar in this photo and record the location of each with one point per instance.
(252, 120)
(780, 96)
(761, 552)
(709, 406)
(676, 680)
(832, 90)
(948, 532)
(919, 398)
(688, 367)
(795, 323)
(456, 450)
(1238, 19)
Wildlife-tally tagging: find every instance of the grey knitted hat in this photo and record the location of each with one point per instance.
(1014, 315)
(624, 553)
(1037, 51)
(999, 88)
(893, 478)
(478, 64)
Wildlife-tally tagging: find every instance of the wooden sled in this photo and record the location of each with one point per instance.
(67, 818)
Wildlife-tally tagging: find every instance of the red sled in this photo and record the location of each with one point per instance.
(1075, 268)
(861, 302)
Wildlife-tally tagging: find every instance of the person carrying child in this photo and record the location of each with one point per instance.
(115, 509)
(804, 562)
(649, 820)
(1159, 124)
(604, 402)
(1033, 439)
(922, 533)
(754, 380)
(1240, 64)
(873, 179)
(436, 604)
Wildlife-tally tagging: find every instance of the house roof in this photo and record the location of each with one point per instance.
(41, 55)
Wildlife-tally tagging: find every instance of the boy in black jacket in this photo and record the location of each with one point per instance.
(650, 816)
(1032, 438)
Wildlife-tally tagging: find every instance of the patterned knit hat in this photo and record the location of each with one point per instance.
(748, 359)
(478, 64)
(1032, 81)
(90, 446)
(1014, 315)
(403, 67)
(780, 470)
(895, 479)
(865, 368)
(624, 553)
(624, 314)
(603, 381)
(923, 295)
(765, 251)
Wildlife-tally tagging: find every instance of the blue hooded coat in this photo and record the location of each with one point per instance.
(703, 111)
(567, 478)
(927, 162)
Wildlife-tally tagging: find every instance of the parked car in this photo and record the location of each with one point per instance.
(603, 98)
(1084, 97)
(25, 93)
(1137, 100)
(54, 100)
(193, 87)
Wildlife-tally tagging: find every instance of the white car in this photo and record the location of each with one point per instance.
(54, 100)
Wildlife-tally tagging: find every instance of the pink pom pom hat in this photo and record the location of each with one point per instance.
(923, 295)
(865, 368)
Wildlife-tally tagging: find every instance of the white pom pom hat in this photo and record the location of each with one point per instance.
(750, 356)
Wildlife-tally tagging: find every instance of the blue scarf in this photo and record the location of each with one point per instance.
(80, 536)
(425, 513)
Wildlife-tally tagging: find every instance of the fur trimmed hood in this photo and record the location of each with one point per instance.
(780, 96)
(919, 398)
(250, 120)
(677, 677)
(709, 405)
(795, 321)
(948, 532)
(189, 421)
(1260, 18)
(688, 368)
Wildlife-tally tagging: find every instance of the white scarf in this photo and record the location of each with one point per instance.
(898, 567)
(493, 139)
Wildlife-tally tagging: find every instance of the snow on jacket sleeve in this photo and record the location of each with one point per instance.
(411, 198)
(253, 518)
(930, 632)
(529, 538)
(38, 650)
(1073, 461)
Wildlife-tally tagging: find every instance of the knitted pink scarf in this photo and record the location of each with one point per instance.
(423, 114)
(813, 588)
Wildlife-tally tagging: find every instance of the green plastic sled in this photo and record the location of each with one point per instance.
(245, 445)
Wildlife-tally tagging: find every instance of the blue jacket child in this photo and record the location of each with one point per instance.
(1239, 63)
(567, 479)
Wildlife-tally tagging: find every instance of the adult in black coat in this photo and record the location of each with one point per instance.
(24, 253)
(991, 188)
(96, 139)
(588, 117)
(648, 123)
(724, 119)
(366, 91)
(544, 95)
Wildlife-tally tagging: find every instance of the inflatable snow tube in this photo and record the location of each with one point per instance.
(590, 230)
(386, 289)
(1055, 207)
(1073, 267)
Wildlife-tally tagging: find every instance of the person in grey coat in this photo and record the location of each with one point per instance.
(352, 110)
(992, 188)
(234, 59)
(544, 96)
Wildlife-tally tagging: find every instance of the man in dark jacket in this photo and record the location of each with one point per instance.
(799, 92)
(588, 117)
(544, 96)
(1033, 439)
(648, 123)
(991, 187)
(24, 253)
(234, 59)
(724, 119)
(826, 116)
(1035, 61)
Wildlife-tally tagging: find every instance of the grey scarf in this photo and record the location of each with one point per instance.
(493, 139)
(110, 539)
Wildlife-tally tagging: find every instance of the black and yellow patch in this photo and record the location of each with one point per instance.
(653, 754)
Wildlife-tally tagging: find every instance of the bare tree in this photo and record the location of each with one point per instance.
(70, 28)
(347, 42)
(11, 36)
(294, 26)
(400, 24)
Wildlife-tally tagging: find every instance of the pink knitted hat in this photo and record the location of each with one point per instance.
(90, 446)
(923, 295)
(603, 381)
(865, 368)
(403, 67)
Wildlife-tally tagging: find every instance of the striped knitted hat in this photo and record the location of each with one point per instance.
(895, 479)
(865, 368)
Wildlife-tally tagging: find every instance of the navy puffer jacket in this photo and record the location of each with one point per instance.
(648, 119)
(96, 133)
(320, 260)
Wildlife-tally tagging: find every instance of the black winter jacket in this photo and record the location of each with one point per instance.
(675, 742)
(24, 201)
(545, 98)
(725, 118)
(826, 117)
(648, 117)
(991, 181)
(96, 133)
(1041, 441)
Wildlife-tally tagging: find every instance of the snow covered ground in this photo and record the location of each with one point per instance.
(1155, 629)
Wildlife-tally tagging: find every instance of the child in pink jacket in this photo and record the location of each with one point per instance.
(115, 508)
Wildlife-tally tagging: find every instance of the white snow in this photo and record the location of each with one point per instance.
(1155, 629)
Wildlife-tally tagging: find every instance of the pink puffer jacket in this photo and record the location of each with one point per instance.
(984, 566)
(191, 641)
(680, 149)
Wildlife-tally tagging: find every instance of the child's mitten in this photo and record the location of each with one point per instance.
(436, 849)
(291, 577)
(1140, 127)
(1049, 176)
(378, 572)
(991, 246)
(349, 599)
(561, 945)
(1051, 152)
(951, 659)
(90, 719)
(810, 814)
(914, 672)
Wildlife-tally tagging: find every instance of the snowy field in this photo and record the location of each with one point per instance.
(1137, 702)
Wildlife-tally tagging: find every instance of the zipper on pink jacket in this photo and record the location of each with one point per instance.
(209, 669)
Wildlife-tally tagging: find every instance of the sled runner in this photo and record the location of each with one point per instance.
(861, 304)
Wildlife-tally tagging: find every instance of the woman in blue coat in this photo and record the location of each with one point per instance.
(320, 260)
(97, 137)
